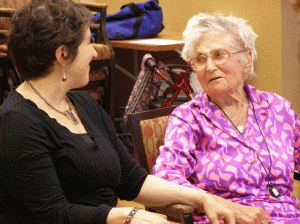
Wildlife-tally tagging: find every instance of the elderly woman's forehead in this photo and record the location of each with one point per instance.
(211, 41)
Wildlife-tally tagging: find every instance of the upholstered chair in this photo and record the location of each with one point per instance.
(148, 130)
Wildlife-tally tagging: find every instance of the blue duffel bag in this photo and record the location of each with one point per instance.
(134, 21)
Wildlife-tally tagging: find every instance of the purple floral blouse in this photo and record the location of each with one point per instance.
(203, 150)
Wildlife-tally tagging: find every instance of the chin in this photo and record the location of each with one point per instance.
(80, 84)
(216, 90)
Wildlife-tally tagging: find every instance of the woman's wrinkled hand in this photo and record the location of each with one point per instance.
(242, 214)
(250, 214)
(215, 211)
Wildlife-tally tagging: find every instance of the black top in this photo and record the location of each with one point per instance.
(50, 175)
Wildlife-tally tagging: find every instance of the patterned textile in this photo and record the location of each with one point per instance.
(153, 132)
(145, 89)
(203, 150)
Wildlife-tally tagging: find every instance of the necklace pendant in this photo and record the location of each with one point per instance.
(71, 117)
(240, 129)
(273, 191)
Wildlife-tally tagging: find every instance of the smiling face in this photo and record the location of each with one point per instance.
(218, 80)
(79, 69)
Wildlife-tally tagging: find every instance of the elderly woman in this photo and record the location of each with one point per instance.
(232, 140)
(60, 158)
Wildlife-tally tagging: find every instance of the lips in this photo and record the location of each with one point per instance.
(215, 78)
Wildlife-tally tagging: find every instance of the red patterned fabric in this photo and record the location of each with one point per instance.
(153, 132)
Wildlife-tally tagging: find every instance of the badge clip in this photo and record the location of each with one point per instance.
(273, 191)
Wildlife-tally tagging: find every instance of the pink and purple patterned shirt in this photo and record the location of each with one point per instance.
(203, 150)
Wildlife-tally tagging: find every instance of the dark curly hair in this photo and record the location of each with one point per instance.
(39, 28)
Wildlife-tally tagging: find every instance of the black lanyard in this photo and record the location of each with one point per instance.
(272, 189)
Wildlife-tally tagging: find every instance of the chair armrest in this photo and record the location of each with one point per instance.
(7, 12)
(297, 175)
(176, 211)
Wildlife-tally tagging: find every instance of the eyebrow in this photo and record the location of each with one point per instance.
(201, 53)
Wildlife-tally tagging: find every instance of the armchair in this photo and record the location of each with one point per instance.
(147, 131)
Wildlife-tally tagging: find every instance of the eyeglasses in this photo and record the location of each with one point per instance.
(219, 57)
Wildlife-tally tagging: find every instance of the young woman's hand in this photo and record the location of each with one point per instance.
(119, 215)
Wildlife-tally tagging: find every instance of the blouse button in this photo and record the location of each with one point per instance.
(251, 161)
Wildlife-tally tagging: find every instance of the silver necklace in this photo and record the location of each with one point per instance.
(68, 113)
(239, 128)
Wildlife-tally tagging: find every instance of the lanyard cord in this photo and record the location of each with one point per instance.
(228, 119)
(268, 174)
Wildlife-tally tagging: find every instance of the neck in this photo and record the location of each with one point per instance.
(52, 90)
(235, 100)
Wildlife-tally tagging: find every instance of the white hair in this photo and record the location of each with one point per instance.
(204, 23)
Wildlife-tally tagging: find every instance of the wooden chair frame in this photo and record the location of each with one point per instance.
(101, 38)
(177, 211)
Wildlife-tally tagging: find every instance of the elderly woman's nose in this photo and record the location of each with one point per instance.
(210, 64)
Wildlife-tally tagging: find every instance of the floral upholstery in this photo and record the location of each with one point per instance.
(153, 133)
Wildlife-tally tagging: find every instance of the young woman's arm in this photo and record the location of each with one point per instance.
(159, 192)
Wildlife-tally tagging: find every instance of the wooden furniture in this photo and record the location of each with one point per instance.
(8, 75)
(102, 68)
(148, 130)
(170, 41)
(152, 44)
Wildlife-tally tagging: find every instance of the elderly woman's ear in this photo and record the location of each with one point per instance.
(248, 61)
(296, 5)
(62, 54)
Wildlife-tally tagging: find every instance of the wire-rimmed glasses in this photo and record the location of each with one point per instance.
(219, 57)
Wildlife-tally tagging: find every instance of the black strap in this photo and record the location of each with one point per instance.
(136, 10)
(139, 18)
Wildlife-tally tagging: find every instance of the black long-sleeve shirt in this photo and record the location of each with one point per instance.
(51, 175)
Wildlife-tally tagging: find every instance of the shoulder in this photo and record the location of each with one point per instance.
(190, 107)
(17, 108)
(187, 113)
(270, 99)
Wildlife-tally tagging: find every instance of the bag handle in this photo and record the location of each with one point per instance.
(137, 12)
(134, 8)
